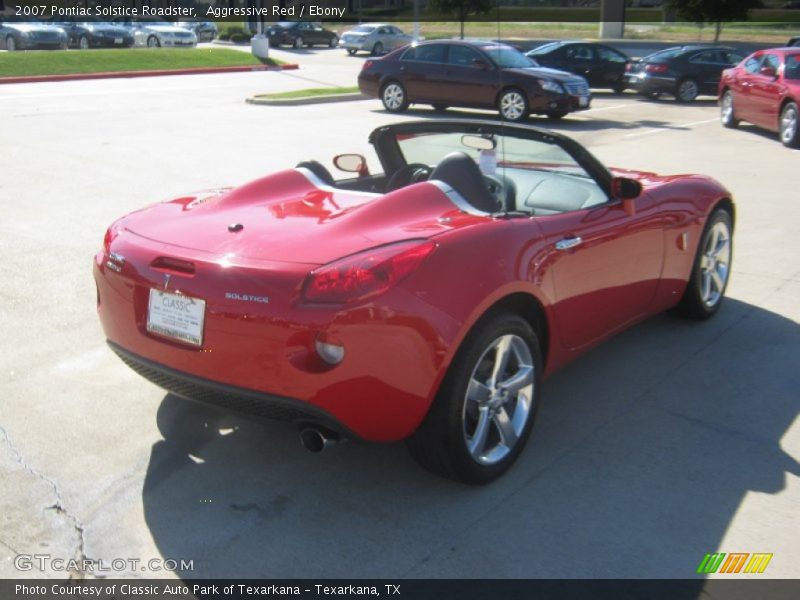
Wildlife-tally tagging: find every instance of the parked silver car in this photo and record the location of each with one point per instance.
(375, 38)
(155, 34)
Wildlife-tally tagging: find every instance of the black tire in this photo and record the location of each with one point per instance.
(687, 90)
(557, 115)
(11, 44)
(727, 114)
(789, 126)
(619, 87)
(351, 51)
(333, 42)
(394, 97)
(440, 444)
(297, 43)
(153, 42)
(696, 303)
(83, 42)
(377, 49)
(439, 107)
(512, 104)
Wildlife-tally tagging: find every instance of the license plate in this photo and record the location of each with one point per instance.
(583, 101)
(117, 40)
(176, 316)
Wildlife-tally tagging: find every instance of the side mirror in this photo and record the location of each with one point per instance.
(768, 71)
(481, 64)
(627, 190)
(351, 163)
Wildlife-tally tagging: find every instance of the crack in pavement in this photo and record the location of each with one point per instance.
(80, 553)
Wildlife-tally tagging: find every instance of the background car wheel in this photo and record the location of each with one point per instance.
(333, 42)
(687, 90)
(394, 97)
(153, 42)
(618, 88)
(711, 270)
(557, 115)
(83, 43)
(789, 129)
(377, 49)
(439, 107)
(298, 43)
(726, 115)
(513, 105)
(351, 51)
(486, 406)
(11, 44)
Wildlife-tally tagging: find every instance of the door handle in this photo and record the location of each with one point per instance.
(568, 243)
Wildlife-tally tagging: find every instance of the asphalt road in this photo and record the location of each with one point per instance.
(673, 440)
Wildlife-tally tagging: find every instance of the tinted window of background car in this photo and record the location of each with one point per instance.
(461, 55)
(707, 57)
(611, 55)
(580, 52)
(751, 66)
(432, 53)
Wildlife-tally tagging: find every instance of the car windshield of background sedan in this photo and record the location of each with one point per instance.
(509, 58)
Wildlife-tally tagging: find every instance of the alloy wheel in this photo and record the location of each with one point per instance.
(726, 111)
(393, 96)
(688, 90)
(512, 106)
(789, 124)
(714, 263)
(499, 399)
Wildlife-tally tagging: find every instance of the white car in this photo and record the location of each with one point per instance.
(156, 34)
(375, 38)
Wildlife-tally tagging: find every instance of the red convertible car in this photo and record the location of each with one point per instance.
(425, 302)
(764, 89)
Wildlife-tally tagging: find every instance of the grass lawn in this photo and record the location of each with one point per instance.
(61, 62)
(308, 93)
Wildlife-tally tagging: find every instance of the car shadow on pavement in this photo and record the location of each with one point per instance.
(641, 457)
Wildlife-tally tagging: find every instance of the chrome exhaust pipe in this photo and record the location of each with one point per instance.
(316, 440)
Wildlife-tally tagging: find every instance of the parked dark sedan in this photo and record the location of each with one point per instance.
(472, 74)
(97, 35)
(15, 35)
(683, 71)
(795, 41)
(300, 33)
(602, 66)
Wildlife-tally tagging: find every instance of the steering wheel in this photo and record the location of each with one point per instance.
(497, 188)
(411, 173)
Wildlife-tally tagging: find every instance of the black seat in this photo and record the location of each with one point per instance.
(318, 169)
(461, 173)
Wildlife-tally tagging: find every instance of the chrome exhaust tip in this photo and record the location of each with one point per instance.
(316, 440)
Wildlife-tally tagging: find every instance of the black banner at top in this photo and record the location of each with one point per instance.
(351, 11)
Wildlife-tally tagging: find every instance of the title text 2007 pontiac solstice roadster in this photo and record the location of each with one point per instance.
(423, 303)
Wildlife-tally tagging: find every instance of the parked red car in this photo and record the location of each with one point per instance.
(764, 89)
(425, 302)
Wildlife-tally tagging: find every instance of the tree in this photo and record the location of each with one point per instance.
(461, 8)
(713, 11)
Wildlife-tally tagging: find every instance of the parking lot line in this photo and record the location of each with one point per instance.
(677, 127)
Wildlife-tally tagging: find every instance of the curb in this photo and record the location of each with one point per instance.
(307, 100)
(158, 73)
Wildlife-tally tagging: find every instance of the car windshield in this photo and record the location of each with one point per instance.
(363, 29)
(545, 49)
(286, 24)
(663, 55)
(792, 68)
(509, 58)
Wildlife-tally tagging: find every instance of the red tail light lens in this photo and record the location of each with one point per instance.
(367, 64)
(657, 68)
(365, 275)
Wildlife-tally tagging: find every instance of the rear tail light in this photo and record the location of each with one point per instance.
(367, 64)
(657, 68)
(628, 66)
(365, 275)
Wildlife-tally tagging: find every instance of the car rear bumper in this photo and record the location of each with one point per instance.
(380, 392)
(650, 84)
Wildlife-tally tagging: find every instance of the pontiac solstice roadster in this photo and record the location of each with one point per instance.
(425, 302)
